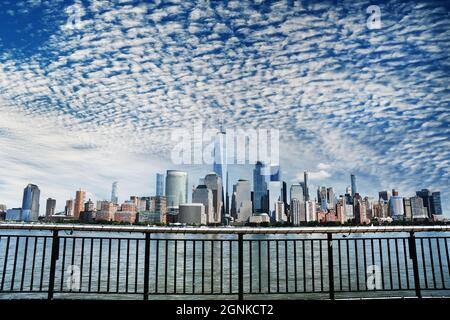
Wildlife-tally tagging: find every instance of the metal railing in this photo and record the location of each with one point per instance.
(323, 262)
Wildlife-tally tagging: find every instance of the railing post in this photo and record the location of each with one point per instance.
(146, 265)
(330, 265)
(240, 266)
(53, 258)
(413, 256)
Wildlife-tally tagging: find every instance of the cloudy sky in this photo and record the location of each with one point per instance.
(90, 90)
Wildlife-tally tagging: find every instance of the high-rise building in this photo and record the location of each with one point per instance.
(280, 215)
(176, 188)
(242, 201)
(322, 198)
(298, 211)
(156, 211)
(407, 209)
(79, 203)
(274, 191)
(220, 168)
(384, 196)
(359, 208)
(50, 207)
(296, 192)
(68, 210)
(114, 193)
(305, 186)
(201, 194)
(259, 188)
(396, 208)
(436, 206)
(30, 203)
(353, 183)
(331, 198)
(311, 212)
(214, 182)
(284, 197)
(159, 184)
(427, 198)
(419, 211)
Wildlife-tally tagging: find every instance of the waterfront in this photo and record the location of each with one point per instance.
(101, 265)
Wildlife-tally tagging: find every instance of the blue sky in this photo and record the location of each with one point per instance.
(85, 106)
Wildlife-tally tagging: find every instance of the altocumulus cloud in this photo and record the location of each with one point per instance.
(87, 105)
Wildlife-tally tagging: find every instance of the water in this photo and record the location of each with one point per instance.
(211, 270)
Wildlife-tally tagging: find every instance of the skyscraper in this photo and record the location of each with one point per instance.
(30, 203)
(296, 192)
(202, 194)
(79, 203)
(353, 183)
(114, 192)
(396, 206)
(68, 210)
(220, 164)
(50, 207)
(436, 206)
(242, 200)
(259, 187)
(176, 188)
(426, 196)
(214, 182)
(274, 191)
(159, 184)
(284, 197)
(305, 186)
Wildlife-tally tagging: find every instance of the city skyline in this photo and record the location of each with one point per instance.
(297, 191)
(88, 99)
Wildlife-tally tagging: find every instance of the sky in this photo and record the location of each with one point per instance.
(90, 91)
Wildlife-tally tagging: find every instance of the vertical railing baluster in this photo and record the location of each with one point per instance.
(413, 256)
(53, 258)
(330, 265)
(146, 264)
(240, 267)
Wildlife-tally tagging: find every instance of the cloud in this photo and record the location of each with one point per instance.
(372, 102)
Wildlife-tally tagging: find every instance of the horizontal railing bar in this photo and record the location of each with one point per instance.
(221, 230)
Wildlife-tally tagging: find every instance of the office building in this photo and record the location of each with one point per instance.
(353, 184)
(259, 188)
(50, 207)
(436, 206)
(176, 188)
(68, 209)
(419, 211)
(396, 208)
(214, 182)
(159, 184)
(114, 193)
(298, 211)
(79, 203)
(242, 204)
(201, 194)
(296, 192)
(192, 213)
(30, 203)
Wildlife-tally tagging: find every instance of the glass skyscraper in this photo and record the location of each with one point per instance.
(114, 197)
(259, 187)
(159, 184)
(353, 182)
(30, 203)
(176, 188)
